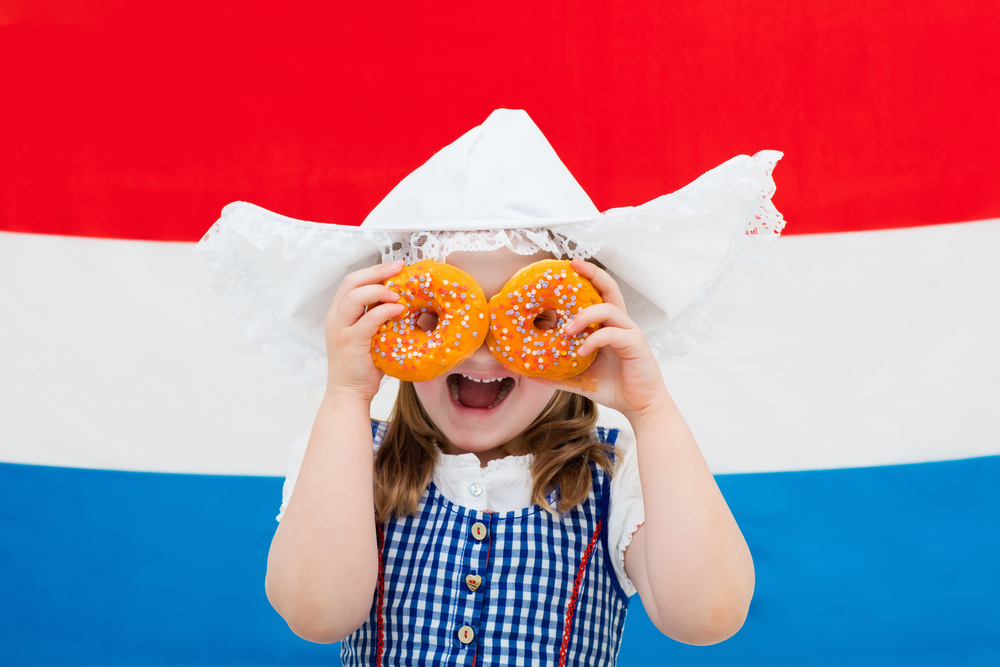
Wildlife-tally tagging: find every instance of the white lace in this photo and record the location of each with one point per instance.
(703, 320)
(233, 274)
(232, 277)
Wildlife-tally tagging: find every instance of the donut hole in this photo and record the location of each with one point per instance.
(427, 322)
(546, 319)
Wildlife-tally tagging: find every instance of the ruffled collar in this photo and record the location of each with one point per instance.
(457, 464)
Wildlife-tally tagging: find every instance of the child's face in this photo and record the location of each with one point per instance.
(483, 430)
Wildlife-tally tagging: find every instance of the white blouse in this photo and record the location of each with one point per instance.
(505, 484)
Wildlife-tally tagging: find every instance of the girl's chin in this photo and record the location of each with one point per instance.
(490, 450)
(478, 430)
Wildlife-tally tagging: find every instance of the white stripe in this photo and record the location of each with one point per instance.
(117, 354)
(853, 349)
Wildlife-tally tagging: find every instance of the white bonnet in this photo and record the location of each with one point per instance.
(683, 261)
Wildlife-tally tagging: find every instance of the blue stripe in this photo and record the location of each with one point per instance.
(894, 565)
(871, 566)
(124, 569)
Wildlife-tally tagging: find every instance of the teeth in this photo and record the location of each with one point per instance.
(503, 393)
(478, 380)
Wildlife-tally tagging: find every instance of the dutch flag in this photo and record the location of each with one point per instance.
(850, 410)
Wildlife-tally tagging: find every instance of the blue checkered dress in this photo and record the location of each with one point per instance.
(548, 594)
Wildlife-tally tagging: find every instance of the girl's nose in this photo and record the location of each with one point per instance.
(483, 360)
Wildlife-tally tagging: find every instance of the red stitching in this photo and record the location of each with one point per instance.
(571, 607)
(489, 545)
(380, 624)
(489, 550)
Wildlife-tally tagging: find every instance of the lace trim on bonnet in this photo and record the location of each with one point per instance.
(703, 320)
(234, 277)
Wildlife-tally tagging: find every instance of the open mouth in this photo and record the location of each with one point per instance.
(477, 393)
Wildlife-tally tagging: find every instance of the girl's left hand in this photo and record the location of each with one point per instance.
(625, 375)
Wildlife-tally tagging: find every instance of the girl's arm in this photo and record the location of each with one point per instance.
(688, 561)
(323, 563)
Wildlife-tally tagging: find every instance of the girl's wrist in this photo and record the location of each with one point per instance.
(659, 411)
(347, 398)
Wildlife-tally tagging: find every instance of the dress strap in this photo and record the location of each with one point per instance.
(378, 432)
(608, 436)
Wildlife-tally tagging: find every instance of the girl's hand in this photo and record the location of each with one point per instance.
(625, 375)
(360, 307)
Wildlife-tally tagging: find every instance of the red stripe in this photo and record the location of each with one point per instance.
(485, 568)
(142, 120)
(380, 620)
(571, 607)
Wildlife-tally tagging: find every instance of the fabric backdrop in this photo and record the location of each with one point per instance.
(849, 410)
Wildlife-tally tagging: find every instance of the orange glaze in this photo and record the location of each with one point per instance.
(404, 350)
(523, 348)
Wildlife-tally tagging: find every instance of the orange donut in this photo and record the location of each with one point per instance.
(520, 345)
(403, 349)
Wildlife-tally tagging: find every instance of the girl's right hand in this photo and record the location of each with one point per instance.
(359, 308)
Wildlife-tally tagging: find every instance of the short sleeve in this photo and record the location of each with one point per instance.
(626, 508)
(295, 455)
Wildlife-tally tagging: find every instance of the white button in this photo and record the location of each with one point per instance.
(466, 635)
(476, 489)
(479, 531)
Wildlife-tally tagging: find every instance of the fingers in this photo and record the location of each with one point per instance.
(602, 313)
(370, 276)
(627, 343)
(373, 274)
(368, 325)
(603, 282)
(354, 302)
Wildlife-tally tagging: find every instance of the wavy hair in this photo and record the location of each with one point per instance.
(561, 438)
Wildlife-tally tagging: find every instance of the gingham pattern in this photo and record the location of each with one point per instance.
(528, 563)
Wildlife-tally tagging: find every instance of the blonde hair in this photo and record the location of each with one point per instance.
(561, 438)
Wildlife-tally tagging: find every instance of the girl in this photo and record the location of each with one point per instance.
(503, 525)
